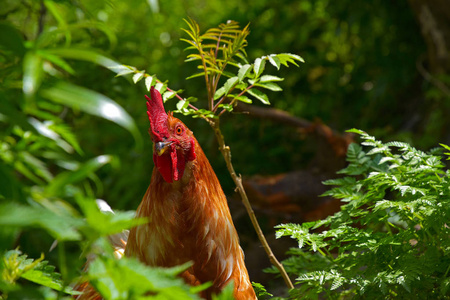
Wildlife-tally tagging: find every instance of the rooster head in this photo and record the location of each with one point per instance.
(173, 142)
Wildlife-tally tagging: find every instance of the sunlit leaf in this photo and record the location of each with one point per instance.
(275, 61)
(269, 85)
(93, 103)
(58, 61)
(244, 99)
(259, 95)
(43, 129)
(259, 66)
(244, 71)
(137, 77)
(86, 55)
(149, 82)
(32, 73)
(270, 78)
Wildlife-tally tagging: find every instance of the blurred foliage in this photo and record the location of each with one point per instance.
(70, 132)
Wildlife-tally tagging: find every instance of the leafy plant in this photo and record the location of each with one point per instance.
(49, 182)
(390, 237)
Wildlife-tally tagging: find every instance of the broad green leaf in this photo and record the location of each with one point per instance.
(259, 66)
(61, 227)
(93, 103)
(56, 60)
(244, 71)
(82, 172)
(86, 55)
(127, 278)
(106, 223)
(11, 39)
(259, 95)
(32, 73)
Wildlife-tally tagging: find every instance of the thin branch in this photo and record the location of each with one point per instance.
(226, 153)
(428, 77)
(233, 101)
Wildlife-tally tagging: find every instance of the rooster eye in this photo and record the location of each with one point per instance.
(179, 130)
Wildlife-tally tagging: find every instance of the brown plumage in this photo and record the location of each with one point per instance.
(189, 218)
(188, 212)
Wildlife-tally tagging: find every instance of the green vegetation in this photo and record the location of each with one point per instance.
(390, 237)
(71, 131)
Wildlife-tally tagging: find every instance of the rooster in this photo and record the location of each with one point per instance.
(189, 218)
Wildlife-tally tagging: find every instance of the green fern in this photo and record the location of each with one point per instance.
(390, 238)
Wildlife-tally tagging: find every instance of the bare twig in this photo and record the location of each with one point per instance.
(226, 153)
(428, 77)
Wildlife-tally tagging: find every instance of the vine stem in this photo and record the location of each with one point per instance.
(226, 153)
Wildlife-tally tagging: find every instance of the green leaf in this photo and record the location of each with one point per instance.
(227, 107)
(82, 172)
(259, 95)
(32, 73)
(160, 87)
(15, 264)
(286, 58)
(244, 71)
(230, 83)
(182, 104)
(86, 55)
(93, 103)
(60, 226)
(259, 66)
(127, 278)
(270, 86)
(219, 93)
(275, 61)
(106, 223)
(168, 95)
(244, 99)
(11, 39)
(44, 129)
(137, 77)
(149, 82)
(270, 78)
(56, 60)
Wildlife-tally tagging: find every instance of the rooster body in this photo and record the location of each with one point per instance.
(189, 218)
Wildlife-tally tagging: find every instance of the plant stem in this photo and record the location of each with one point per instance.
(226, 153)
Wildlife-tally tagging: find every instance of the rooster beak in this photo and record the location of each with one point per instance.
(161, 147)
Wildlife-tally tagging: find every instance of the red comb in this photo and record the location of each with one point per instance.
(156, 114)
